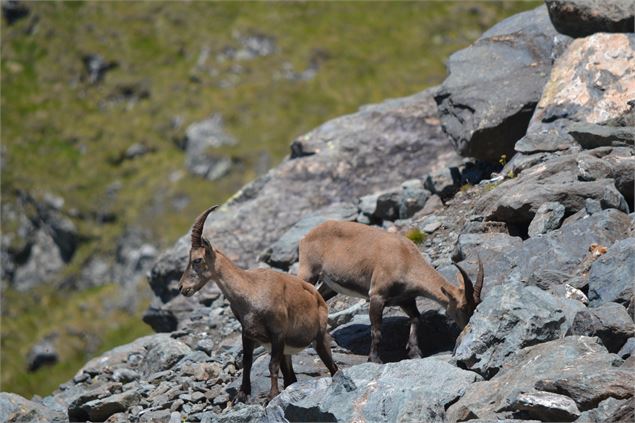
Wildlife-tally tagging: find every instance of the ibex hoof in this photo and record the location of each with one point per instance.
(241, 397)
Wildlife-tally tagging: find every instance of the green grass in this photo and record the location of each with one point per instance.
(416, 236)
(62, 135)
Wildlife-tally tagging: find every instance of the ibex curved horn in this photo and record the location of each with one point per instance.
(479, 282)
(467, 283)
(197, 228)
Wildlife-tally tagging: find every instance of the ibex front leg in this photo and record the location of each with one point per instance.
(376, 311)
(248, 358)
(277, 355)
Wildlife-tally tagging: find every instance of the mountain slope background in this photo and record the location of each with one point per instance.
(272, 71)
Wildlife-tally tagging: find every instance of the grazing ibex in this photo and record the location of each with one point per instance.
(276, 310)
(367, 262)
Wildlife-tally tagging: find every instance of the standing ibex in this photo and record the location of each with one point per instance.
(367, 262)
(276, 310)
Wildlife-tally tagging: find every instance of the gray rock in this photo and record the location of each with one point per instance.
(590, 135)
(41, 354)
(517, 200)
(96, 67)
(241, 413)
(555, 258)
(124, 375)
(44, 261)
(16, 409)
(384, 205)
(610, 322)
(628, 349)
(201, 141)
(162, 354)
(485, 117)
(377, 148)
(610, 410)
(445, 182)
(611, 276)
(585, 88)
(14, 10)
(101, 409)
(370, 392)
(581, 18)
(413, 198)
(545, 406)
(284, 252)
(576, 367)
(548, 217)
(510, 317)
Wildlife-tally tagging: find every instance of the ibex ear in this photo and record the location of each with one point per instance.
(206, 243)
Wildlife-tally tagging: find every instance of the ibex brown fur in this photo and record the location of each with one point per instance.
(367, 262)
(279, 311)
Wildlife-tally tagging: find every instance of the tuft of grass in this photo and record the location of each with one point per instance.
(417, 236)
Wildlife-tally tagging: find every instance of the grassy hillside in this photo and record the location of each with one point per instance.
(65, 135)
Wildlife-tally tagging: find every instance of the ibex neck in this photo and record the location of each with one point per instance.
(430, 282)
(231, 279)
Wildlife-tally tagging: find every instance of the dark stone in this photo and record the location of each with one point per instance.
(548, 217)
(581, 18)
(610, 322)
(611, 275)
(100, 409)
(41, 354)
(371, 392)
(510, 317)
(628, 349)
(96, 67)
(577, 367)
(610, 410)
(14, 10)
(485, 117)
(590, 135)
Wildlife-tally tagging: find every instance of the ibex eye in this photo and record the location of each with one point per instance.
(197, 261)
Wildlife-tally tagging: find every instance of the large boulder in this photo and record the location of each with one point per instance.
(587, 90)
(493, 85)
(611, 276)
(374, 149)
(16, 409)
(378, 393)
(284, 252)
(610, 322)
(576, 367)
(580, 18)
(550, 260)
(511, 317)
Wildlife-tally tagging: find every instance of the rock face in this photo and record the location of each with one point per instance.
(548, 217)
(578, 368)
(581, 18)
(370, 392)
(494, 85)
(512, 316)
(15, 409)
(377, 148)
(610, 322)
(586, 86)
(201, 139)
(611, 276)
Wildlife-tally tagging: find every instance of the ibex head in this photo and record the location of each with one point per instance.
(463, 302)
(198, 271)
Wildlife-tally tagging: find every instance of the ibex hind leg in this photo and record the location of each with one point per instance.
(323, 348)
(288, 374)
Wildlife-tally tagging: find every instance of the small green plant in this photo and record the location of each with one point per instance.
(416, 236)
(466, 187)
(503, 159)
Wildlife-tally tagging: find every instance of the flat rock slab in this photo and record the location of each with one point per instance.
(378, 393)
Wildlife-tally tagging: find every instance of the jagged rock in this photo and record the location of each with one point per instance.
(284, 252)
(611, 275)
(14, 10)
(554, 258)
(628, 349)
(548, 217)
(517, 200)
(577, 367)
(100, 409)
(377, 148)
(590, 135)
(162, 354)
(445, 182)
(610, 322)
(545, 406)
(610, 410)
(509, 318)
(16, 409)
(96, 67)
(371, 392)
(201, 139)
(241, 413)
(41, 354)
(581, 18)
(586, 86)
(381, 206)
(485, 116)
(413, 198)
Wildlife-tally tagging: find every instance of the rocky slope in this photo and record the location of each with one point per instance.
(554, 336)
